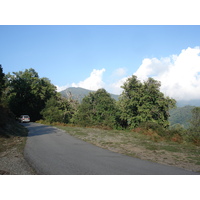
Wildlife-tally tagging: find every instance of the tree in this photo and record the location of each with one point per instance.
(28, 93)
(2, 81)
(97, 109)
(5, 114)
(143, 102)
(58, 109)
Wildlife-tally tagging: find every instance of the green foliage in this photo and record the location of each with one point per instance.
(27, 93)
(143, 102)
(97, 109)
(2, 81)
(58, 109)
(6, 116)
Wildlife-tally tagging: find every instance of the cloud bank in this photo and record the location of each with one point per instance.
(93, 82)
(179, 74)
(61, 88)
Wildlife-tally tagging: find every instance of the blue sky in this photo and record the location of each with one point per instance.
(105, 56)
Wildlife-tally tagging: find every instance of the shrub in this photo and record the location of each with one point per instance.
(193, 136)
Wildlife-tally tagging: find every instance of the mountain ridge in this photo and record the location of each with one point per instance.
(180, 115)
(79, 93)
(193, 102)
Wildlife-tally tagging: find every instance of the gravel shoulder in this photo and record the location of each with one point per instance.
(12, 162)
(12, 143)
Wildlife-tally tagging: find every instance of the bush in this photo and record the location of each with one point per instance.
(153, 126)
(57, 110)
(193, 136)
(157, 132)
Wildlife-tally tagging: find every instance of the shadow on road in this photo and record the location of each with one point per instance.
(35, 129)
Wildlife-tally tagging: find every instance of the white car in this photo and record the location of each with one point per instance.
(24, 118)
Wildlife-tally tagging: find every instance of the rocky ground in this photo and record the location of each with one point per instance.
(12, 162)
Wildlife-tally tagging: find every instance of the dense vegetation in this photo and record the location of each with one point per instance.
(27, 93)
(59, 109)
(141, 107)
(6, 116)
(97, 109)
(143, 102)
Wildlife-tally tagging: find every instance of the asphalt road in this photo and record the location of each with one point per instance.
(54, 152)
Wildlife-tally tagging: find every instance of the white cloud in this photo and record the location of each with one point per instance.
(117, 79)
(119, 72)
(61, 88)
(93, 82)
(179, 74)
(115, 88)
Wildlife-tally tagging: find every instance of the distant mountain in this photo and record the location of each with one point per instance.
(79, 93)
(181, 115)
(194, 102)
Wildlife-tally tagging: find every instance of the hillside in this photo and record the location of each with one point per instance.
(181, 115)
(79, 93)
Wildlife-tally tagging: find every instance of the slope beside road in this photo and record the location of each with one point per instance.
(54, 152)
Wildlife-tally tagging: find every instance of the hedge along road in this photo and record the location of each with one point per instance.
(52, 151)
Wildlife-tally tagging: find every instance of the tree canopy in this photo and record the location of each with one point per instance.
(2, 81)
(28, 93)
(59, 109)
(98, 108)
(143, 102)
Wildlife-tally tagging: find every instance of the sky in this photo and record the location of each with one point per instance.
(104, 56)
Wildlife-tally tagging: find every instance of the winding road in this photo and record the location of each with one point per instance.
(52, 151)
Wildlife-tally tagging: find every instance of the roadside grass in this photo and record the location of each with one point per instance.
(144, 146)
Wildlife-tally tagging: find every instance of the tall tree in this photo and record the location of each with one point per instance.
(143, 102)
(28, 93)
(2, 81)
(59, 109)
(98, 108)
(5, 115)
